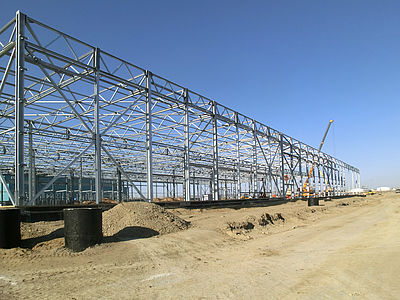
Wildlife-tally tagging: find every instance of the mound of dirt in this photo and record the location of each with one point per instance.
(267, 218)
(143, 216)
(245, 226)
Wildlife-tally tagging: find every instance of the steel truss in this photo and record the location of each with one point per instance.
(70, 108)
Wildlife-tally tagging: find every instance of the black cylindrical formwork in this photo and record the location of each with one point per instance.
(82, 228)
(10, 229)
(313, 201)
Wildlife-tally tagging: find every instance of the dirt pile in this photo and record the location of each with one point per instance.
(252, 222)
(246, 225)
(267, 219)
(148, 218)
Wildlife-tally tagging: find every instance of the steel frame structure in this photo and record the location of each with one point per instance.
(67, 107)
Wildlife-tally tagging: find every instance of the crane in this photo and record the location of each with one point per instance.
(305, 192)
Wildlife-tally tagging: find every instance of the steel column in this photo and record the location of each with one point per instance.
(72, 186)
(80, 181)
(215, 155)
(282, 192)
(255, 166)
(239, 183)
(149, 137)
(97, 138)
(32, 173)
(19, 109)
(186, 146)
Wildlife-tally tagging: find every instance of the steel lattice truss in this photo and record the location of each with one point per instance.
(66, 105)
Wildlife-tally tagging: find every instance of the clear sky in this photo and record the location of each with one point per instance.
(292, 65)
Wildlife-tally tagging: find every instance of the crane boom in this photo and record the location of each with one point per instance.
(319, 150)
(323, 139)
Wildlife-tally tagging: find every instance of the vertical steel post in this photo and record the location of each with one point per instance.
(19, 108)
(239, 183)
(149, 138)
(211, 183)
(313, 174)
(255, 182)
(112, 190)
(344, 179)
(186, 167)
(291, 170)
(72, 186)
(167, 188)
(332, 178)
(340, 179)
(337, 179)
(198, 189)
(97, 128)
(194, 186)
(226, 188)
(215, 154)
(80, 181)
(32, 173)
(125, 190)
(119, 186)
(308, 176)
(66, 190)
(356, 179)
(319, 177)
(282, 192)
(53, 187)
(173, 184)
(301, 172)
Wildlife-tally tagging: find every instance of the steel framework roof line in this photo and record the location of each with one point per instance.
(67, 108)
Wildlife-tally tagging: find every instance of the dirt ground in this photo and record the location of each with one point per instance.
(342, 249)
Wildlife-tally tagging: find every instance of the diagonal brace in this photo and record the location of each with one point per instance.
(122, 171)
(60, 173)
(3, 181)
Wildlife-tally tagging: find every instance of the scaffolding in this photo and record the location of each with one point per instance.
(72, 113)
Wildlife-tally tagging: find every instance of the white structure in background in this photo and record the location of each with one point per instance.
(383, 189)
(358, 191)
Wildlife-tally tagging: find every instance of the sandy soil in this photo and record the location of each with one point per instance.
(343, 249)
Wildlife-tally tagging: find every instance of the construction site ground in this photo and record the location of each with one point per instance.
(343, 249)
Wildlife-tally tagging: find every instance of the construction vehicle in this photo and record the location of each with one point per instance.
(310, 192)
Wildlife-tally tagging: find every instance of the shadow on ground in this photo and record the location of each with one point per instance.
(32, 242)
(131, 233)
(126, 234)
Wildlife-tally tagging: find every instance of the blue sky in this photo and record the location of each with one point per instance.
(292, 65)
